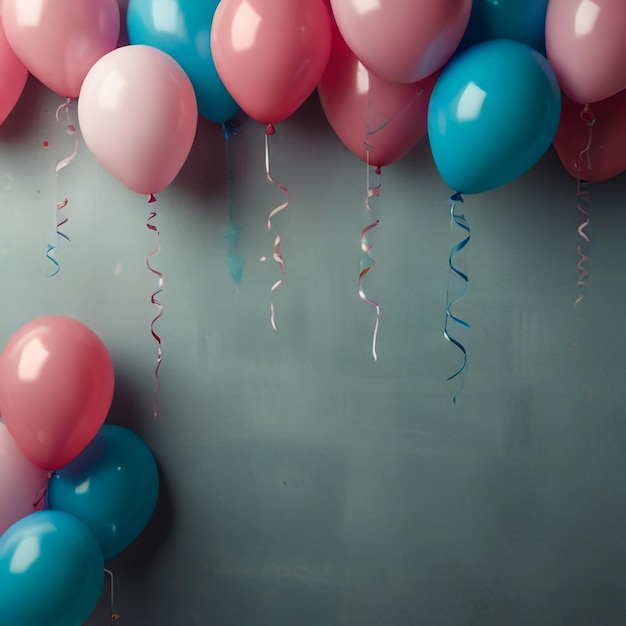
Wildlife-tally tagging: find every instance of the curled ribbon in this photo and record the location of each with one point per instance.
(154, 300)
(277, 254)
(61, 218)
(582, 205)
(367, 262)
(459, 220)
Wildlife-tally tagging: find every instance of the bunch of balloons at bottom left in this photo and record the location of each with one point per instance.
(74, 491)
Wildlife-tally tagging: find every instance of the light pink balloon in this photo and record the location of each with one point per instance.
(138, 114)
(402, 41)
(13, 75)
(59, 40)
(56, 387)
(21, 482)
(363, 108)
(586, 46)
(270, 54)
(607, 153)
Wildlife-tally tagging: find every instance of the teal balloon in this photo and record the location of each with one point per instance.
(182, 29)
(112, 487)
(51, 571)
(492, 115)
(519, 20)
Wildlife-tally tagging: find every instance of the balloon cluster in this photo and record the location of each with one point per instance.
(484, 80)
(74, 492)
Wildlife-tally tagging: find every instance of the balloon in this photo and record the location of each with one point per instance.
(13, 75)
(493, 113)
(112, 487)
(270, 55)
(399, 40)
(183, 30)
(51, 571)
(586, 46)
(59, 40)
(523, 21)
(138, 115)
(607, 152)
(365, 109)
(56, 387)
(21, 482)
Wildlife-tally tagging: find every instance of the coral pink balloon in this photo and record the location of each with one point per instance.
(13, 75)
(586, 46)
(59, 40)
(138, 114)
(270, 54)
(607, 153)
(56, 387)
(365, 109)
(402, 41)
(21, 482)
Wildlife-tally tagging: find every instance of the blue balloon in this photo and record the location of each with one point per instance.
(519, 20)
(51, 571)
(112, 486)
(492, 115)
(182, 29)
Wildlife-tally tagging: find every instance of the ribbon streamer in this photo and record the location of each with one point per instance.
(454, 275)
(154, 300)
(277, 254)
(232, 230)
(61, 218)
(114, 616)
(582, 205)
(367, 263)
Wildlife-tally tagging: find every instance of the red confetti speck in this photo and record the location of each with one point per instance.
(45, 144)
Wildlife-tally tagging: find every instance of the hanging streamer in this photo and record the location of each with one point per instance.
(582, 205)
(113, 615)
(277, 254)
(61, 218)
(367, 262)
(154, 300)
(232, 231)
(455, 293)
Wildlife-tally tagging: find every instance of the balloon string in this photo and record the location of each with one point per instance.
(154, 300)
(582, 205)
(61, 218)
(114, 616)
(367, 263)
(41, 494)
(232, 230)
(453, 295)
(277, 254)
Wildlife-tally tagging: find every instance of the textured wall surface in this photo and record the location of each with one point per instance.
(304, 484)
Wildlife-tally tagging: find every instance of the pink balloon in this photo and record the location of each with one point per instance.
(56, 387)
(13, 75)
(21, 482)
(138, 114)
(586, 46)
(59, 40)
(365, 109)
(270, 54)
(607, 153)
(402, 41)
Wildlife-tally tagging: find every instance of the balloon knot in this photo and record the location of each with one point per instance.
(587, 116)
(151, 198)
(456, 197)
(270, 130)
(377, 171)
(229, 129)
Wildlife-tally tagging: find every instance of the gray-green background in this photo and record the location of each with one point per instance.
(304, 484)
